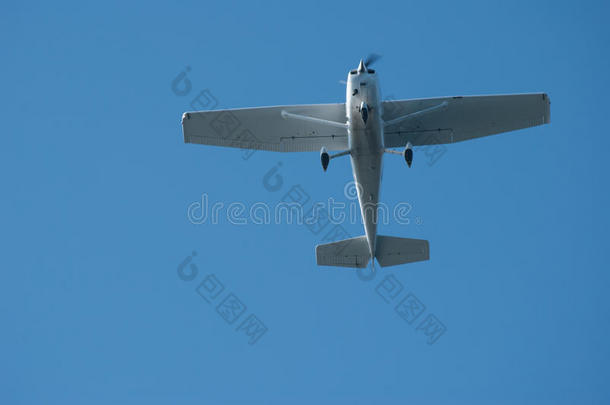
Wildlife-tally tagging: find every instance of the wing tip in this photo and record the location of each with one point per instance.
(547, 110)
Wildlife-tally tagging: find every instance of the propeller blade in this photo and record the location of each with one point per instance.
(371, 59)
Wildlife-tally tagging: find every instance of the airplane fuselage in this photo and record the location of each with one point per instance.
(365, 138)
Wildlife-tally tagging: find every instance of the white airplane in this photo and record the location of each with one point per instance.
(365, 127)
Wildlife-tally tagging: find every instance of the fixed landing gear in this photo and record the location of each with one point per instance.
(325, 157)
(407, 153)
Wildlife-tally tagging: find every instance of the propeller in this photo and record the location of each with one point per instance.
(371, 59)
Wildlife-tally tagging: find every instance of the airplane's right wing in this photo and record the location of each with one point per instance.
(433, 121)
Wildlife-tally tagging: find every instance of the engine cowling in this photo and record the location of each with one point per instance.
(407, 154)
(324, 158)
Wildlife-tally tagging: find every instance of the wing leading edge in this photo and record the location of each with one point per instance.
(266, 128)
(462, 118)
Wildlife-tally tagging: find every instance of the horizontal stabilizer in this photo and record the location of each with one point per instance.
(353, 252)
(391, 250)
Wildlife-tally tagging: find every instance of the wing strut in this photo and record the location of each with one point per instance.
(440, 106)
(286, 114)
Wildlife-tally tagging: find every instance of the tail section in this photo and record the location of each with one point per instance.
(389, 251)
(353, 252)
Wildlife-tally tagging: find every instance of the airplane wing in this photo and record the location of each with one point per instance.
(432, 121)
(269, 128)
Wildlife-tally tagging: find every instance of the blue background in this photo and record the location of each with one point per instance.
(96, 181)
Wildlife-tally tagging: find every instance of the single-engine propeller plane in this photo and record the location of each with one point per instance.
(365, 128)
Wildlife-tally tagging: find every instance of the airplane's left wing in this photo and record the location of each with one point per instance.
(431, 121)
(296, 128)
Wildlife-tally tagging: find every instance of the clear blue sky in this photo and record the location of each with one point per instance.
(96, 182)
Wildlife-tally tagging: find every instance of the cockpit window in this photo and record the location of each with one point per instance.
(362, 83)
